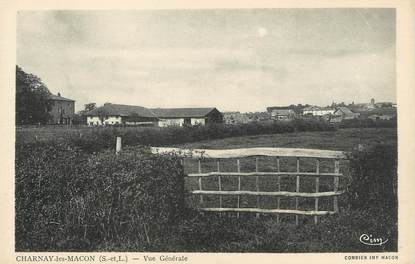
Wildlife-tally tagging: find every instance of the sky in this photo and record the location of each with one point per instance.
(232, 59)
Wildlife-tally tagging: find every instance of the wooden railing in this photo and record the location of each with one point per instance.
(318, 155)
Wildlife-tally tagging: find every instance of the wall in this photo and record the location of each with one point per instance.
(171, 122)
(62, 112)
(112, 120)
(93, 120)
(141, 123)
(214, 117)
(318, 112)
(197, 121)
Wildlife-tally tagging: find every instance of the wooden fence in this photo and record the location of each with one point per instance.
(277, 153)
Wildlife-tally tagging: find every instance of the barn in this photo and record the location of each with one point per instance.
(187, 116)
(114, 114)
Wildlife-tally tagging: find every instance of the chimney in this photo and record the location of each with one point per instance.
(59, 94)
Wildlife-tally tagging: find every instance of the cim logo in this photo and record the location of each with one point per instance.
(371, 241)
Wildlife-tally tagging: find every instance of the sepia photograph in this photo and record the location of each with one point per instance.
(232, 130)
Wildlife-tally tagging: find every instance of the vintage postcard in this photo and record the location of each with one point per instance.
(218, 133)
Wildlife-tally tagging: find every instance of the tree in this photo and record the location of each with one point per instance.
(80, 118)
(32, 99)
(90, 106)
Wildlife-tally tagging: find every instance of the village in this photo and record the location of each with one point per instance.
(62, 113)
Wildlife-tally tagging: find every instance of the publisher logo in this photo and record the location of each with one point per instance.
(372, 241)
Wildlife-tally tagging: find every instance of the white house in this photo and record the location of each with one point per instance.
(318, 111)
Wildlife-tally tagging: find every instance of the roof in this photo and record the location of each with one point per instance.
(59, 98)
(317, 108)
(121, 110)
(181, 112)
(345, 110)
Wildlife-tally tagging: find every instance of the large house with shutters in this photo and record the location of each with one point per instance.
(62, 110)
(117, 114)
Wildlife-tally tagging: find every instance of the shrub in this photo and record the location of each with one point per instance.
(364, 123)
(374, 173)
(69, 200)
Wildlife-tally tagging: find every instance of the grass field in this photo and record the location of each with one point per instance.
(342, 139)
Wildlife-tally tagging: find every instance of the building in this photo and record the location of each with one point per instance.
(232, 118)
(381, 114)
(62, 110)
(376, 117)
(281, 113)
(117, 114)
(187, 116)
(343, 113)
(318, 111)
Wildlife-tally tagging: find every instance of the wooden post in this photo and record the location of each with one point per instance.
(336, 184)
(200, 179)
(278, 188)
(220, 187)
(297, 189)
(239, 185)
(118, 145)
(257, 185)
(317, 190)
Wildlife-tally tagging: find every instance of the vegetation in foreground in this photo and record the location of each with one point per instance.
(71, 200)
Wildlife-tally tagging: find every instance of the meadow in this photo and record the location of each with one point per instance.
(346, 139)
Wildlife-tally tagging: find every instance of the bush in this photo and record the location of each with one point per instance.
(68, 200)
(364, 123)
(374, 173)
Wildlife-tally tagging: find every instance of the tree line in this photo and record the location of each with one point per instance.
(32, 99)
